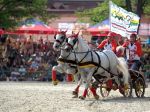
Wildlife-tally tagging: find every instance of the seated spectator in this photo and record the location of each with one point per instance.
(34, 65)
(22, 70)
(38, 58)
(15, 74)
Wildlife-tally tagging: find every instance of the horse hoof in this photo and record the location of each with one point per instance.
(75, 96)
(74, 93)
(96, 97)
(126, 86)
(82, 97)
(55, 83)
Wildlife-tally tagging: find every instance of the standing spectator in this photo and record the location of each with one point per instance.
(29, 46)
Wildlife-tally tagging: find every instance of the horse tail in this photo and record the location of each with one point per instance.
(123, 68)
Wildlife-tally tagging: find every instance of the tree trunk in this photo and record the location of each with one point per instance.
(128, 5)
(139, 9)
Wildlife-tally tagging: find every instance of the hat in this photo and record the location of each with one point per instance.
(111, 34)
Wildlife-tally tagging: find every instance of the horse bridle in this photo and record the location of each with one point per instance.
(60, 42)
(65, 56)
(74, 42)
(75, 53)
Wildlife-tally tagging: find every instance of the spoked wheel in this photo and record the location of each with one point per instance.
(139, 87)
(126, 90)
(104, 91)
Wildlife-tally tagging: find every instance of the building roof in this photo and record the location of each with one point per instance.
(71, 5)
(78, 0)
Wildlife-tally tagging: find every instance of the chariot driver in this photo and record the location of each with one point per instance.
(134, 52)
(109, 43)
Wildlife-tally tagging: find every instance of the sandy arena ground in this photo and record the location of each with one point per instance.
(44, 97)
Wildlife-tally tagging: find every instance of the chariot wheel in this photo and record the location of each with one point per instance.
(126, 90)
(104, 91)
(139, 85)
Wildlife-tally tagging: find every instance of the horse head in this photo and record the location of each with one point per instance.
(72, 42)
(60, 40)
(76, 43)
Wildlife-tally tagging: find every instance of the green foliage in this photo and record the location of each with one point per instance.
(13, 11)
(101, 12)
(147, 7)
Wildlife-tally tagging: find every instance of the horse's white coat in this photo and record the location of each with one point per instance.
(111, 62)
(64, 67)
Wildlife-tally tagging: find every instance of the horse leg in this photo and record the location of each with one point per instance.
(87, 84)
(84, 77)
(54, 69)
(85, 92)
(92, 89)
(76, 91)
(115, 71)
(59, 68)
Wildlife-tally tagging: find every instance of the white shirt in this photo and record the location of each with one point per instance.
(132, 52)
(108, 46)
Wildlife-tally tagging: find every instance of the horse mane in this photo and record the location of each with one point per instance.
(83, 44)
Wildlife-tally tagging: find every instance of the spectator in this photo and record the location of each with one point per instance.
(22, 70)
(38, 58)
(15, 75)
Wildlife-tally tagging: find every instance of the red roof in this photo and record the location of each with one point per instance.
(100, 28)
(36, 29)
(1, 31)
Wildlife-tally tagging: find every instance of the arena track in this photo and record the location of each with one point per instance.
(44, 97)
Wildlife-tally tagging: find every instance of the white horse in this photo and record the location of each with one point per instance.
(94, 62)
(82, 72)
(65, 64)
(60, 41)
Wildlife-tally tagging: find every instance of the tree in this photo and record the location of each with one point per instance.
(101, 12)
(139, 6)
(128, 5)
(13, 11)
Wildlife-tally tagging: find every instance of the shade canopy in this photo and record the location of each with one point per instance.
(1, 31)
(100, 29)
(33, 26)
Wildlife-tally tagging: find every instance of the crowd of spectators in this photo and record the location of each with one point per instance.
(28, 59)
(32, 59)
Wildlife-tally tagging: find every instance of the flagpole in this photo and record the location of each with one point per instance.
(110, 2)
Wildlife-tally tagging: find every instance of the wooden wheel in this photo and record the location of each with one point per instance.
(139, 87)
(104, 90)
(126, 91)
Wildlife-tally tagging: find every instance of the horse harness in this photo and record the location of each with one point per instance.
(86, 64)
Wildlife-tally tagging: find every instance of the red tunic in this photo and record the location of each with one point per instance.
(135, 50)
(109, 46)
